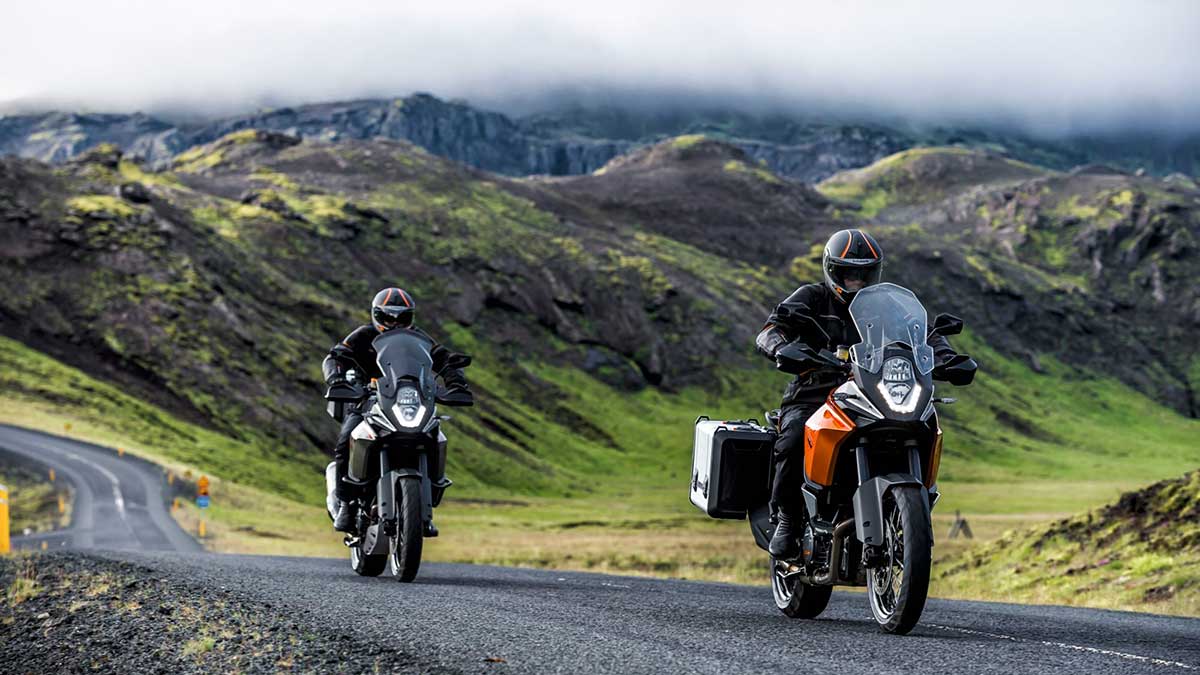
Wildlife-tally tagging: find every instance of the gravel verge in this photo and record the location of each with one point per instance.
(72, 612)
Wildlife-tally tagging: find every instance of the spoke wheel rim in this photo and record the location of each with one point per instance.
(888, 579)
(397, 546)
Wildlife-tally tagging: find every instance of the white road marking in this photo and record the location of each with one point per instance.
(1064, 645)
(118, 498)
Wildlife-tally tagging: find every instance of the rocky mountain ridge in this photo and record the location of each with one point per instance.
(571, 140)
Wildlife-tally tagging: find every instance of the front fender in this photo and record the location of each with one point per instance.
(868, 504)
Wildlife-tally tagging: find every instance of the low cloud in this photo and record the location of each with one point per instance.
(1047, 66)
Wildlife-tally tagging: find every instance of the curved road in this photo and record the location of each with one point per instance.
(119, 502)
(465, 618)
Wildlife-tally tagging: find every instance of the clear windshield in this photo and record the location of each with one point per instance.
(887, 314)
(402, 354)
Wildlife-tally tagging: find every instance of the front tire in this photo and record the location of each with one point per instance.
(406, 546)
(795, 599)
(898, 588)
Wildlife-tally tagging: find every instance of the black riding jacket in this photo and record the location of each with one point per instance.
(833, 315)
(356, 351)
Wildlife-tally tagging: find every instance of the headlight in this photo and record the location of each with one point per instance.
(408, 409)
(898, 386)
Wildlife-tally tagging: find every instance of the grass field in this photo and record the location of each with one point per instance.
(34, 500)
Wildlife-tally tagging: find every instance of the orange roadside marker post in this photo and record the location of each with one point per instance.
(202, 499)
(51, 475)
(62, 505)
(120, 452)
(5, 544)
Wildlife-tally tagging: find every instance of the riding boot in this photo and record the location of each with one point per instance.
(347, 517)
(783, 542)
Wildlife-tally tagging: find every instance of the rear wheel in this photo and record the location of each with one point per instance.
(406, 545)
(796, 599)
(898, 588)
(366, 565)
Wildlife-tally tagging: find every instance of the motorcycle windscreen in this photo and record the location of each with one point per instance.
(404, 354)
(887, 314)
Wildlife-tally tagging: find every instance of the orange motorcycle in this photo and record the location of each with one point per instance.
(871, 455)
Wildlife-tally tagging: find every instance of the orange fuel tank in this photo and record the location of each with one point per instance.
(823, 436)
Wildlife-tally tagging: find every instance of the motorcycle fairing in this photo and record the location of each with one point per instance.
(824, 433)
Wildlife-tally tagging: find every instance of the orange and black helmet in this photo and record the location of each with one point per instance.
(392, 308)
(852, 261)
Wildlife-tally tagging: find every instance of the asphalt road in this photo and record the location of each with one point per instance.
(465, 618)
(119, 503)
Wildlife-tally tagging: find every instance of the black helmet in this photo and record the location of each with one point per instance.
(852, 261)
(392, 308)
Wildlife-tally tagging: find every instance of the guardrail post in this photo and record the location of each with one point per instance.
(5, 544)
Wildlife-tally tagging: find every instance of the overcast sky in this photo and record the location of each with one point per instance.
(1047, 65)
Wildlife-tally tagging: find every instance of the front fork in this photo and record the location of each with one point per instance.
(386, 491)
(869, 498)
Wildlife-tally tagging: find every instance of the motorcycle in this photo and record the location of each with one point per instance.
(871, 458)
(392, 451)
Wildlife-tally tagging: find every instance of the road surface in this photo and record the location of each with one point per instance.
(467, 618)
(119, 502)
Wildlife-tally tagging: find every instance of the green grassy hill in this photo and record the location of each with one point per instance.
(1143, 551)
(183, 314)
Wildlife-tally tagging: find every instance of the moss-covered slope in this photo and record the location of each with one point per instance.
(1142, 551)
(605, 311)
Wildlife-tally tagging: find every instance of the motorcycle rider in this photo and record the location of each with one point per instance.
(353, 359)
(852, 260)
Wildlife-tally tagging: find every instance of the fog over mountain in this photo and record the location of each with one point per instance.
(1064, 67)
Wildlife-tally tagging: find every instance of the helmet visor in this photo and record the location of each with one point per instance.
(394, 317)
(854, 277)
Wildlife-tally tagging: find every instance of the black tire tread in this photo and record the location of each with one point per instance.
(918, 560)
(410, 532)
(807, 602)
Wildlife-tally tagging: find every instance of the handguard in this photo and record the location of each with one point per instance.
(455, 397)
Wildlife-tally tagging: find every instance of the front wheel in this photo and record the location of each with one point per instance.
(406, 545)
(796, 599)
(898, 588)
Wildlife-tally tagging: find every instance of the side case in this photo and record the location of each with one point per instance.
(730, 466)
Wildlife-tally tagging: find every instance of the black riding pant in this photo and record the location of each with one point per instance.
(789, 457)
(341, 451)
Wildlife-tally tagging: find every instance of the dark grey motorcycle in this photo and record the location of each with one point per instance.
(397, 454)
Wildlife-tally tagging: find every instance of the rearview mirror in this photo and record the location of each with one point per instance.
(946, 324)
(810, 331)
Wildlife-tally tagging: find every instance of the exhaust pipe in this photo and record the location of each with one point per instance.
(829, 576)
